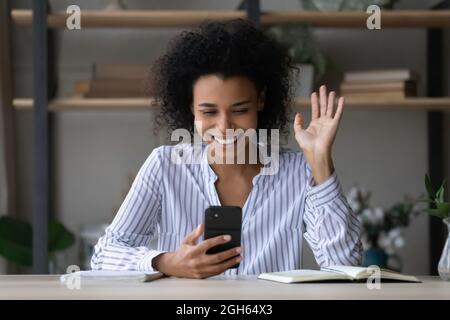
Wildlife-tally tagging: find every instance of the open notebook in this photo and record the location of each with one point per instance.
(334, 273)
(113, 275)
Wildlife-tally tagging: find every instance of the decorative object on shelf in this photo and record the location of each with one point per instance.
(116, 5)
(382, 229)
(311, 63)
(349, 5)
(16, 242)
(440, 209)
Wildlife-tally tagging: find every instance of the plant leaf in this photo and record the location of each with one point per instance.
(440, 195)
(16, 240)
(429, 186)
(435, 212)
(16, 231)
(59, 238)
(16, 253)
(444, 209)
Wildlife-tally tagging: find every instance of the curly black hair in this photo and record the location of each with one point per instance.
(229, 48)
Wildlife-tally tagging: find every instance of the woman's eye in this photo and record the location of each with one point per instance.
(211, 113)
(208, 113)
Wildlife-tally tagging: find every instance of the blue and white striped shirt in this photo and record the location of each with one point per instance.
(169, 199)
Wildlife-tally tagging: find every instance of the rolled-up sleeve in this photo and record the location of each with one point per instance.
(124, 244)
(332, 229)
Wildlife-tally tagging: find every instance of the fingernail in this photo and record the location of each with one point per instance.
(238, 250)
(227, 238)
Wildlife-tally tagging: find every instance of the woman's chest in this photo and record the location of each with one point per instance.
(233, 192)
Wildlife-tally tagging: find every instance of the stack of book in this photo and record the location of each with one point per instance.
(116, 81)
(380, 84)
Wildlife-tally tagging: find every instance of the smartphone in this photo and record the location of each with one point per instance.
(222, 220)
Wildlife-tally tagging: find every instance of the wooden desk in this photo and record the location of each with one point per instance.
(235, 288)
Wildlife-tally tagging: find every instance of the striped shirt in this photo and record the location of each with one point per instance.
(168, 200)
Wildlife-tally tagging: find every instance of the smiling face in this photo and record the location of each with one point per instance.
(225, 103)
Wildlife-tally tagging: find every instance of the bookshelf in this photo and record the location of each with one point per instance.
(157, 19)
(41, 20)
(189, 18)
(126, 104)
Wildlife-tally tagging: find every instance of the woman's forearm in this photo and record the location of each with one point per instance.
(321, 166)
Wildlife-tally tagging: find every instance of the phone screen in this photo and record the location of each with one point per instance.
(222, 220)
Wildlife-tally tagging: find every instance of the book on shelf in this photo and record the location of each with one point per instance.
(116, 81)
(378, 95)
(381, 86)
(81, 87)
(100, 88)
(124, 71)
(381, 75)
(335, 273)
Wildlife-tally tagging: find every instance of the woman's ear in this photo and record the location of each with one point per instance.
(261, 100)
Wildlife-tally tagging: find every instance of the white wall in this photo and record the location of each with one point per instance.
(94, 152)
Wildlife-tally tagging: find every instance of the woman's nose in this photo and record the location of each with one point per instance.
(224, 123)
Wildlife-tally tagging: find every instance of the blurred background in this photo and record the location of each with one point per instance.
(381, 153)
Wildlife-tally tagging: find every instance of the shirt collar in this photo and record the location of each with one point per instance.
(209, 173)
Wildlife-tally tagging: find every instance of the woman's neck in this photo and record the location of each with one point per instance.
(237, 169)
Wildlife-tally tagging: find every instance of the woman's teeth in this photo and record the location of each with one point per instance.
(225, 141)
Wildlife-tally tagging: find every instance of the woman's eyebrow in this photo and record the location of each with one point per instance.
(236, 104)
(207, 104)
(240, 103)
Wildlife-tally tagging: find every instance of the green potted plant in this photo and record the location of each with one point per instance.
(440, 209)
(310, 62)
(382, 228)
(16, 240)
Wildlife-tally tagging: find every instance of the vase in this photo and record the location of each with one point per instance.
(375, 257)
(379, 257)
(444, 262)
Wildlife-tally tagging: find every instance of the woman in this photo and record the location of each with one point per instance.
(232, 76)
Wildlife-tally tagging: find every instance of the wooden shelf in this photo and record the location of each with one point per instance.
(150, 19)
(78, 104)
(124, 104)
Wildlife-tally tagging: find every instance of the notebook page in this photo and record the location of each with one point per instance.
(302, 275)
(354, 272)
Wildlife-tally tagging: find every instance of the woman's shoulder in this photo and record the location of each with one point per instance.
(290, 160)
(287, 153)
(176, 154)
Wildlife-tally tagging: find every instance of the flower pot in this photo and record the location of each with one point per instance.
(375, 257)
(444, 262)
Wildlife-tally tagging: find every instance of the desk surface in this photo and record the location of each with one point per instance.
(226, 288)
